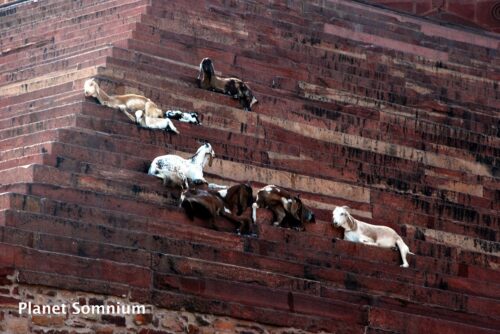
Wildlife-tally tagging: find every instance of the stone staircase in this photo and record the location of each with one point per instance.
(394, 116)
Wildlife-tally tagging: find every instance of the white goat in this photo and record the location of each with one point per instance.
(147, 113)
(175, 170)
(368, 234)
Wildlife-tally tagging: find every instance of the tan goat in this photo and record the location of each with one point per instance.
(147, 113)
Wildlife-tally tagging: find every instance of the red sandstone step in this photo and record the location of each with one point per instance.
(33, 104)
(393, 256)
(33, 11)
(129, 240)
(447, 151)
(128, 228)
(191, 267)
(82, 250)
(26, 258)
(83, 60)
(64, 49)
(177, 301)
(70, 282)
(14, 103)
(229, 9)
(478, 201)
(72, 244)
(320, 274)
(410, 307)
(64, 37)
(80, 16)
(170, 300)
(441, 282)
(260, 296)
(126, 188)
(55, 123)
(400, 322)
(25, 159)
(42, 115)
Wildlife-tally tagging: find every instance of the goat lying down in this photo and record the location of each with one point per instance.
(288, 210)
(147, 114)
(207, 79)
(368, 234)
(176, 171)
(207, 205)
(181, 116)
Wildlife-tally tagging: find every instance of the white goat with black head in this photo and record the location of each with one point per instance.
(177, 171)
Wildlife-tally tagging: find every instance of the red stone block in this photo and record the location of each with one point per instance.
(398, 322)
(69, 282)
(118, 321)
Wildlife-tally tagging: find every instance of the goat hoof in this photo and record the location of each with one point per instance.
(276, 224)
(404, 265)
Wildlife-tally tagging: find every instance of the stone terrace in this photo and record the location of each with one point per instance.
(392, 115)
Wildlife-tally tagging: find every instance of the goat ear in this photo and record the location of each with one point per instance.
(351, 222)
(346, 208)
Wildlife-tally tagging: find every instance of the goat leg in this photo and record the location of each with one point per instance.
(242, 224)
(279, 215)
(129, 115)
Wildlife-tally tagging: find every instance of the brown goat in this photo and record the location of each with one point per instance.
(237, 198)
(207, 205)
(207, 79)
(288, 210)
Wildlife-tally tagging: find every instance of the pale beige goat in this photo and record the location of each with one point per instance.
(368, 234)
(147, 113)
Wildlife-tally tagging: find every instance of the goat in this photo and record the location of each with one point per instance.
(186, 117)
(177, 171)
(288, 210)
(147, 113)
(237, 198)
(368, 234)
(207, 79)
(207, 205)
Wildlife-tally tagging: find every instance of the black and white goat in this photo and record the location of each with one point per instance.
(177, 171)
(181, 116)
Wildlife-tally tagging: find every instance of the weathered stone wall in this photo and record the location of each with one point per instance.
(393, 115)
(482, 14)
(81, 320)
